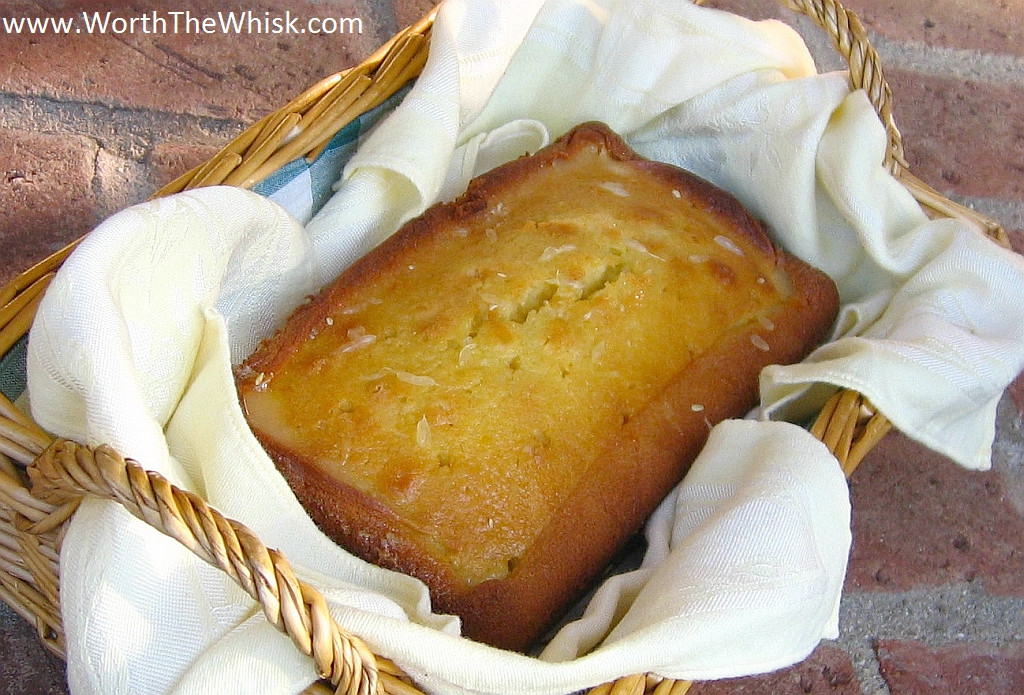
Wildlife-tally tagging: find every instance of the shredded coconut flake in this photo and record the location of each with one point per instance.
(464, 353)
(414, 379)
(638, 246)
(615, 188)
(492, 300)
(423, 433)
(359, 342)
(552, 251)
(356, 308)
(727, 243)
(358, 338)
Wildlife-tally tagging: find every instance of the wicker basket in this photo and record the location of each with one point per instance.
(42, 481)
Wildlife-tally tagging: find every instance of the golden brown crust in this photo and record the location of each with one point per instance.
(550, 530)
(629, 480)
(387, 257)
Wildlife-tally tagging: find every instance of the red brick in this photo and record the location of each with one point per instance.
(913, 668)
(221, 75)
(408, 12)
(119, 182)
(962, 137)
(1017, 393)
(1016, 239)
(920, 520)
(46, 193)
(168, 160)
(991, 26)
(752, 9)
(26, 669)
(827, 671)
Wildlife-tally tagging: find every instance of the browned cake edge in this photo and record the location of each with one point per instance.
(623, 486)
(651, 455)
(390, 254)
(626, 481)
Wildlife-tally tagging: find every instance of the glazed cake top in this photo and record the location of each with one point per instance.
(450, 374)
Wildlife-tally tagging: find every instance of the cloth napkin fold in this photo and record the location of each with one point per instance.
(134, 343)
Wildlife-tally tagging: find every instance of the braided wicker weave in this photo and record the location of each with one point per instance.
(42, 481)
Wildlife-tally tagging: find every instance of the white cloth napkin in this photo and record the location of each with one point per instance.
(134, 341)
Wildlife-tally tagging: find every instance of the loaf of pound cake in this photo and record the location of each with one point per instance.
(497, 397)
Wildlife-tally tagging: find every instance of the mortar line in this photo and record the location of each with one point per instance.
(1009, 213)
(934, 616)
(120, 129)
(943, 61)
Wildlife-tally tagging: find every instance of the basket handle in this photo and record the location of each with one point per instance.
(850, 39)
(66, 471)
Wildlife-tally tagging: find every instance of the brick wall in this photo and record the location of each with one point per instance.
(934, 601)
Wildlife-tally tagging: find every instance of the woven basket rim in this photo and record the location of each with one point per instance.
(32, 523)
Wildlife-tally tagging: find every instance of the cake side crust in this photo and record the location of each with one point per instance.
(650, 455)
